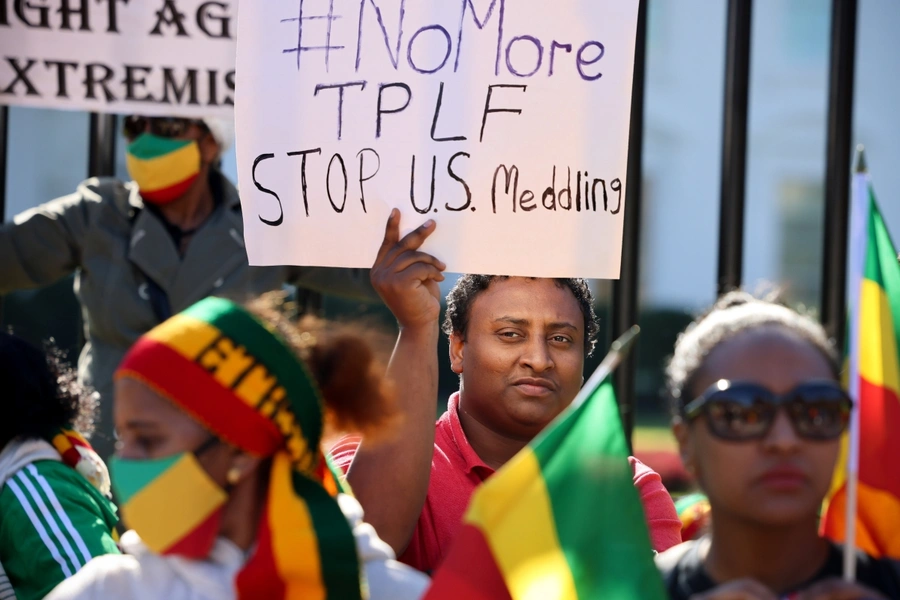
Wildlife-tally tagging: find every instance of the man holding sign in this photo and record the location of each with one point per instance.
(505, 122)
(518, 345)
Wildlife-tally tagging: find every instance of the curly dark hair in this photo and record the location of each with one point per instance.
(467, 288)
(735, 313)
(40, 392)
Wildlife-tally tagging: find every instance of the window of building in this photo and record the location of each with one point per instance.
(801, 226)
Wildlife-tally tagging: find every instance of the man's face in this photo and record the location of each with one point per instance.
(522, 359)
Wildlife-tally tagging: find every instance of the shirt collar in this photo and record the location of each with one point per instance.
(470, 458)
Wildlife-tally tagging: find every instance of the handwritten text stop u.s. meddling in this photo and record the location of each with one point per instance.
(336, 32)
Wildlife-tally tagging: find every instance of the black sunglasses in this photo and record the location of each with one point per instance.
(742, 411)
(167, 127)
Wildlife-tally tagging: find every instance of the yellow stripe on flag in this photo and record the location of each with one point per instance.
(516, 517)
(165, 171)
(186, 335)
(190, 337)
(295, 548)
(205, 494)
(839, 479)
(877, 345)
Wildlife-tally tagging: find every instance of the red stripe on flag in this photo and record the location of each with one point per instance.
(469, 571)
(170, 193)
(197, 540)
(879, 424)
(71, 457)
(190, 387)
(259, 577)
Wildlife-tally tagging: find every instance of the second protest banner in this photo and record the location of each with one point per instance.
(504, 121)
(147, 57)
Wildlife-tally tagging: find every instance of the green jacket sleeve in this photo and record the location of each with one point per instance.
(53, 523)
(43, 244)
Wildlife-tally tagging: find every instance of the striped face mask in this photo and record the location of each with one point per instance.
(163, 168)
(171, 502)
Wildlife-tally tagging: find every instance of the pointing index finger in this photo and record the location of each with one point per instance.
(391, 234)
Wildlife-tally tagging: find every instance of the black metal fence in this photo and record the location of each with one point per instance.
(733, 176)
(624, 305)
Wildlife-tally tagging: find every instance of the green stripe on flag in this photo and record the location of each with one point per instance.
(139, 474)
(599, 518)
(153, 146)
(882, 264)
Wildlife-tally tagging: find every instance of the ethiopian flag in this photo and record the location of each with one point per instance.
(874, 381)
(561, 521)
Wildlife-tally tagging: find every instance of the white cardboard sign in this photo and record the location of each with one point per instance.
(150, 57)
(506, 121)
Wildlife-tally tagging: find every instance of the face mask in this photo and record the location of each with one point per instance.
(172, 503)
(163, 168)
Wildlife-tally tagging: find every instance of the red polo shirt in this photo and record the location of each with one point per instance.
(455, 473)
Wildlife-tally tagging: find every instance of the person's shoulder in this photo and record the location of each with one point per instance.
(108, 576)
(61, 477)
(682, 570)
(343, 451)
(49, 476)
(109, 192)
(448, 433)
(677, 557)
(66, 499)
(392, 580)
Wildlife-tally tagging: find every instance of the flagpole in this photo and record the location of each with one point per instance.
(618, 352)
(859, 220)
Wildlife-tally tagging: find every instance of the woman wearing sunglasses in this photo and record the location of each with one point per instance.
(146, 249)
(219, 471)
(759, 413)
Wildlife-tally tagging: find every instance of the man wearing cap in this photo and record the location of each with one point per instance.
(146, 249)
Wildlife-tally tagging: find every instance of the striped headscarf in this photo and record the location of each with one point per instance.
(234, 375)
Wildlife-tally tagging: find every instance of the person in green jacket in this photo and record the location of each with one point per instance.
(146, 249)
(55, 513)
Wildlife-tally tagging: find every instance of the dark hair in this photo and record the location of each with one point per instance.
(735, 313)
(467, 288)
(40, 392)
(346, 359)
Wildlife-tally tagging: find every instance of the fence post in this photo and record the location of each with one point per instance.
(102, 146)
(734, 145)
(4, 141)
(4, 138)
(625, 290)
(837, 167)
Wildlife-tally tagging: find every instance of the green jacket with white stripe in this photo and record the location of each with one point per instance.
(52, 520)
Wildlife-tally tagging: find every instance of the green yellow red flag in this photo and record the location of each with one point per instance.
(871, 450)
(561, 521)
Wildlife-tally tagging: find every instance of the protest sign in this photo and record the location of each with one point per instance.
(151, 57)
(505, 121)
